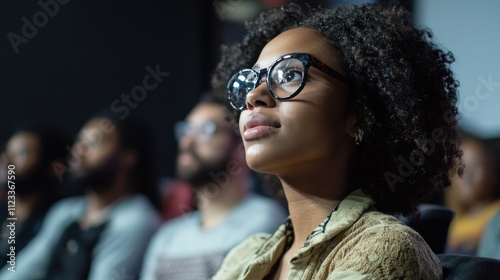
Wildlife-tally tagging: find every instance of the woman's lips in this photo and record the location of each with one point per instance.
(258, 132)
(257, 126)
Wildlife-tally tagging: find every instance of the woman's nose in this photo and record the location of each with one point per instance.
(260, 97)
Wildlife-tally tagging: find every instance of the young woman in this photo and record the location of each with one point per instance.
(354, 110)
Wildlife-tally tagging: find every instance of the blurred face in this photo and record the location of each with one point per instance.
(23, 151)
(205, 144)
(282, 136)
(476, 183)
(96, 155)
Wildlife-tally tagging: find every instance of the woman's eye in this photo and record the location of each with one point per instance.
(291, 75)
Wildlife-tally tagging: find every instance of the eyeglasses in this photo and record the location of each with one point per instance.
(203, 132)
(285, 78)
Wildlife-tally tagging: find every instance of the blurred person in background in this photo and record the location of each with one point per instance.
(104, 234)
(212, 160)
(489, 247)
(477, 195)
(32, 150)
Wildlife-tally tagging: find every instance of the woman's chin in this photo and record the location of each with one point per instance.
(259, 164)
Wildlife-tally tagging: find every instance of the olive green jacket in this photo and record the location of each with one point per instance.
(354, 242)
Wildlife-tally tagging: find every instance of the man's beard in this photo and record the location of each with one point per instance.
(201, 176)
(97, 178)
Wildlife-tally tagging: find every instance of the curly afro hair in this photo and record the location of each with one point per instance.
(404, 91)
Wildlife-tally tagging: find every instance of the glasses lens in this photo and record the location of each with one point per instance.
(286, 77)
(208, 129)
(239, 86)
(202, 132)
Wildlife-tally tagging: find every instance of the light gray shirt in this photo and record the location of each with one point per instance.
(118, 254)
(183, 250)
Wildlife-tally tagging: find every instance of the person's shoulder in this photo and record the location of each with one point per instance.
(70, 202)
(495, 217)
(374, 219)
(375, 226)
(495, 221)
(184, 222)
(238, 259)
(489, 245)
(62, 213)
(68, 207)
(263, 205)
(259, 214)
(135, 212)
(251, 244)
(256, 199)
(137, 205)
(381, 243)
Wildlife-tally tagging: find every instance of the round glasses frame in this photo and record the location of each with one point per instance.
(202, 132)
(307, 61)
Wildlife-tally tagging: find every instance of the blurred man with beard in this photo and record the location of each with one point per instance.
(32, 150)
(212, 160)
(104, 234)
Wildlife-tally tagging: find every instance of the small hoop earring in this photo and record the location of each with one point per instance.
(358, 137)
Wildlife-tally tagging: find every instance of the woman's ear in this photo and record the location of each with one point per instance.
(352, 124)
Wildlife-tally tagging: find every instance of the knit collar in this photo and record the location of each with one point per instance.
(347, 212)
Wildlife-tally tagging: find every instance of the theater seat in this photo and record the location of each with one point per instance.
(462, 267)
(432, 224)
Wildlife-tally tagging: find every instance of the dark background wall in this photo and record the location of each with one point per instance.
(64, 60)
(87, 54)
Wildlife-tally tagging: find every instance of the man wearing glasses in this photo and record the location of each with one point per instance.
(211, 158)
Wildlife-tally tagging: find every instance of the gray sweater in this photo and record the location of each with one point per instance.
(131, 223)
